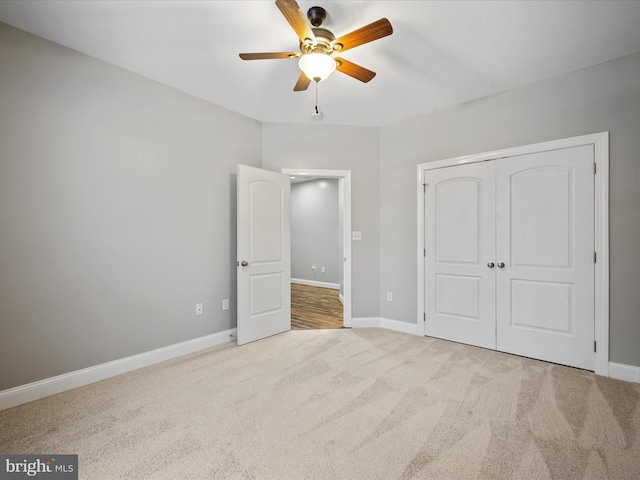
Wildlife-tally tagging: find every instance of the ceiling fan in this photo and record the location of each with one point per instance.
(317, 44)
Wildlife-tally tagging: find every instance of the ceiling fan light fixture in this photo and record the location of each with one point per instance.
(317, 66)
(317, 44)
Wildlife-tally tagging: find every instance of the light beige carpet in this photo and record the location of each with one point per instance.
(340, 404)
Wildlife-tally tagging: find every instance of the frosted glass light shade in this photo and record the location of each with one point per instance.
(317, 66)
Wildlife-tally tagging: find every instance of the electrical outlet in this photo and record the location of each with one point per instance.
(225, 304)
(389, 297)
(199, 309)
(356, 236)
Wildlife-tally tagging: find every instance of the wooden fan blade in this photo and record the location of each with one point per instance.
(291, 11)
(302, 84)
(368, 33)
(354, 70)
(268, 55)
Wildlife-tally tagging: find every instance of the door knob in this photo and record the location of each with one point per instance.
(500, 264)
(244, 263)
(491, 264)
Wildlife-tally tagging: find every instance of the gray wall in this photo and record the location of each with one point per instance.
(314, 230)
(115, 211)
(605, 97)
(340, 148)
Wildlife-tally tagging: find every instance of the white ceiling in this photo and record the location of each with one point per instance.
(441, 53)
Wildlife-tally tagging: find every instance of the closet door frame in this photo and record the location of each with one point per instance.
(600, 142)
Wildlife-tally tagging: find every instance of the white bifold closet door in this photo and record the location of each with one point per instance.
(509, 255)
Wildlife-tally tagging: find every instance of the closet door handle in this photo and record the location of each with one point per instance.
(500, 264)
(491, 264)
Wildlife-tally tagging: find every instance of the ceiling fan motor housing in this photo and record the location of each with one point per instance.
(323, 42)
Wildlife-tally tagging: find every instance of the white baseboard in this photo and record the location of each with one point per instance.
(313, 283)
(389, 324)
(405, 327)
(628, 373)
(67, 381)
(365, 322)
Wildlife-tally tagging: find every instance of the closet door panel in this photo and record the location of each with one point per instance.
(545, 238)
(460, 242)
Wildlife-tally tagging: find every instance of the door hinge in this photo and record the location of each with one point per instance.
(595, 346)
(594, 257)
(424, 316)
(424, 252)
(594, 168)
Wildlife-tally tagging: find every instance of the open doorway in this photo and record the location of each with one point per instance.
(321, 248)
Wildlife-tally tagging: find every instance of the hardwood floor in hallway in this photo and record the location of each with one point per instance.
(315, 307)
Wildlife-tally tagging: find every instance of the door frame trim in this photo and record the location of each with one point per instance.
(600, 142)
(344, 176)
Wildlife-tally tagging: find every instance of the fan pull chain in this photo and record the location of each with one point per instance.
(317, 114)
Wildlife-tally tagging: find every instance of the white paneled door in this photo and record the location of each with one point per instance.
(459, 243)
(509, 255)
(545, 238)
(264, 263)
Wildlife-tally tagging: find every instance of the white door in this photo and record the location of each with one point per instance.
(545, 239)
(459, 251)
(264, 263)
